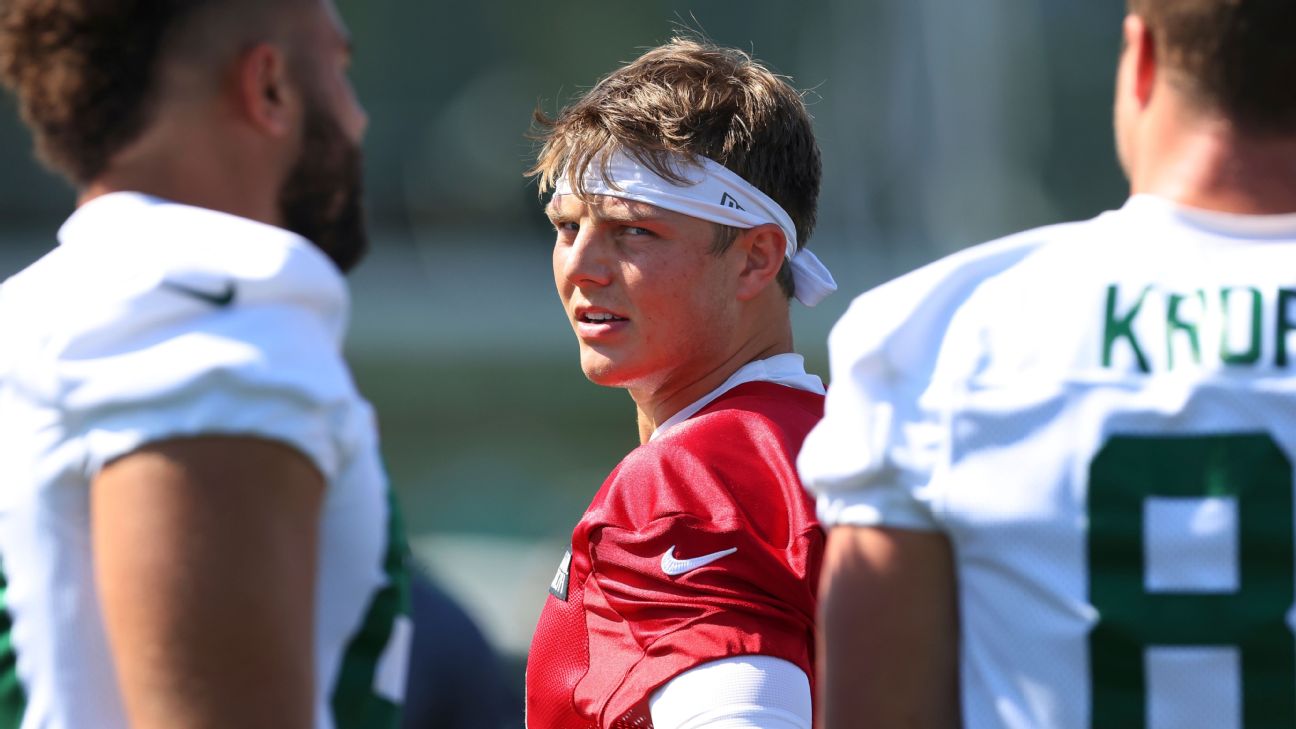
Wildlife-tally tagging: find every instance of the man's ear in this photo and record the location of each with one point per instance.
(264, 92)
(762, 249)
(1142, 43)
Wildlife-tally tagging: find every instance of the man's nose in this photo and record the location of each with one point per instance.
(588, 259)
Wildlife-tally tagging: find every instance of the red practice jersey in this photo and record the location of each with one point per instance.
(701, 545)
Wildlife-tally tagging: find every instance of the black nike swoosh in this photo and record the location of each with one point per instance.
(219, 299)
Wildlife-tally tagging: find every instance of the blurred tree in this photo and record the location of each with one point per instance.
(941, 123)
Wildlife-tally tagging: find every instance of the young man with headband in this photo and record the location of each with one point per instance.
(685, 186)
(195, 526)
(1059, 467)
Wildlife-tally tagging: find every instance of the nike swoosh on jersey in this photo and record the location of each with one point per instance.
(676, 567)
(219, 299)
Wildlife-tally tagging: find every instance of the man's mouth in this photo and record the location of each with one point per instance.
(600, 317)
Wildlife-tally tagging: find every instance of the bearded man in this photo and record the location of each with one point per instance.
(195, 527)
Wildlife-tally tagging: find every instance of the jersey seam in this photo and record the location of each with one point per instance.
(589, 667)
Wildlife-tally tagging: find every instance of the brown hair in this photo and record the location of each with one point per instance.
(690, 98)
(85, 71)
(1235, 56)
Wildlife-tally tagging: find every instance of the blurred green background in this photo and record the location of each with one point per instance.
(942, 124)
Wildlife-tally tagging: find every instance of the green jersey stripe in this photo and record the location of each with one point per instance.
(13, 698)
(355, 703)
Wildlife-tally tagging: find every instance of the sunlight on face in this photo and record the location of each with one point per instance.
(649, 301)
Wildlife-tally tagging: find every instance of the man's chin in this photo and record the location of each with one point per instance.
(601, 376)
(604, 371)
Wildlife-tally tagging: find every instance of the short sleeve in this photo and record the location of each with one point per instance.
(269, 370)
(725, 563)
(875, 458)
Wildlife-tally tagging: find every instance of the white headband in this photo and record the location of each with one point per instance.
(715, 194)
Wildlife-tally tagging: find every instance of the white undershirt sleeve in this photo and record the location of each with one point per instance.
(743, 692)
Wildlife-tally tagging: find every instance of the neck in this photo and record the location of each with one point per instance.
(179, 190)
(1209, 164)
(658, 404)
(189, 157)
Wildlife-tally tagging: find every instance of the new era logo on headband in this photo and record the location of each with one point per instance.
(728, 201)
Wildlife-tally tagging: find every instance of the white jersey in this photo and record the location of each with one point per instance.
(1101, 416)
(150, 321)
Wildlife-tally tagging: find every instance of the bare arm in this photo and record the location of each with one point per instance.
(888, 639)
(205, 559)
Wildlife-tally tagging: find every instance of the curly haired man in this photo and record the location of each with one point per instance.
(195, 527)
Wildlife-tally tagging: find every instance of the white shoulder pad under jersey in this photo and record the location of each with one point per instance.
(880, 435)
(154, 320)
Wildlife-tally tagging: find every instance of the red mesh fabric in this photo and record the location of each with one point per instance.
(724, 481)
(562, 660)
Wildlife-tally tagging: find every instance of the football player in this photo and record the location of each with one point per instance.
(195, 526)
(1058, 468)
(684, 190)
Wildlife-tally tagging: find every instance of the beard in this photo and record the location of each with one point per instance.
(322, 198)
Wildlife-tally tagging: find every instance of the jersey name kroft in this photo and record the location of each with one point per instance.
(1163, 329)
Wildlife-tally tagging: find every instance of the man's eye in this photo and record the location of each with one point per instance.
(567, 227)
(636, 231)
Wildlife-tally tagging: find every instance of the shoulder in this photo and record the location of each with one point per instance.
(172, 321)
(897, 330)
(761, 418)
(775, 405)
(737, 455)
(898, 355)
(131, 278)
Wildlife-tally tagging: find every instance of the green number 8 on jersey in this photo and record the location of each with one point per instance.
(1191, 573)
